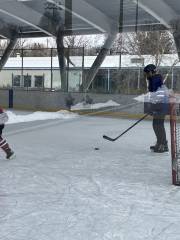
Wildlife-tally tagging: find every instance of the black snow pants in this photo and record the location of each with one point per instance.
(159, 129)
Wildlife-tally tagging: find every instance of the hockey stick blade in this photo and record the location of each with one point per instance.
(108, 138)
(114, 139)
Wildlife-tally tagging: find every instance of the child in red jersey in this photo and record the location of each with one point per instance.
(3, 144)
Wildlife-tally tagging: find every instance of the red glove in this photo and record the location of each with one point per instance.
(1, 110)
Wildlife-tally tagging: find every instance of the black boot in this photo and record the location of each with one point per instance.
(166, 146)
(7, 150)
(10, 154)
(160, 148)
(153, 146)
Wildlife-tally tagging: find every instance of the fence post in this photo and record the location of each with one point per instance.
(11, 98)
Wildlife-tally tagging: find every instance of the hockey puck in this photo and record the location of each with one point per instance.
(96, 148)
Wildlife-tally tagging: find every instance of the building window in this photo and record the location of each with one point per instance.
(39, 81)
(74, 80)
(17, 81)
(137, 60)
(27, 81)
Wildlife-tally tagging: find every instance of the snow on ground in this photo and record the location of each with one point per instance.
(83, 105)
(59, 187)
(17, 118)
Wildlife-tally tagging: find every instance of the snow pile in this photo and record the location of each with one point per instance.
(83, 105)
(14, 118)
(140, 98)
(63, 114)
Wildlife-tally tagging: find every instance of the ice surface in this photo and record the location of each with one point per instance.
(60, 188)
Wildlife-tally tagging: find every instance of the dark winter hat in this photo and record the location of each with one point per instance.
(150, 68)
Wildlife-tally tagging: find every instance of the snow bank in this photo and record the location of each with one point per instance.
(15, 118)
(83, 105)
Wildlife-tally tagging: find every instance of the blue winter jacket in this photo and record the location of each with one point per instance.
(155, 82)
(159, 104)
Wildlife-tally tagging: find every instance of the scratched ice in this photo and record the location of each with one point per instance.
(60, 188)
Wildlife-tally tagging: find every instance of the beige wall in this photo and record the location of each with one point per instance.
(6, 77)
(75, 78)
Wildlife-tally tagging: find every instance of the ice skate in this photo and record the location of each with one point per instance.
(153, 147)
(6, 148)
(10, 155)
(161, 148)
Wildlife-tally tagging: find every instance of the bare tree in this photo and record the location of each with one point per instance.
(119, 45)
(76, 41)
(3, 44)
(154, 43)
(91, 43)
(21, 43)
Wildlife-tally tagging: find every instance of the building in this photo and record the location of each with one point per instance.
(117, 73)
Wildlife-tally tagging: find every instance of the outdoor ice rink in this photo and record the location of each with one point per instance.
(60, 188)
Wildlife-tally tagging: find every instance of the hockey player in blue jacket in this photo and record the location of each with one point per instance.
(158, 111)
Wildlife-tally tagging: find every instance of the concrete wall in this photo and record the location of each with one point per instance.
(54, 101)
(4, 98)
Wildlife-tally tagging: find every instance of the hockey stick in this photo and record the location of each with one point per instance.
(114, 139)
